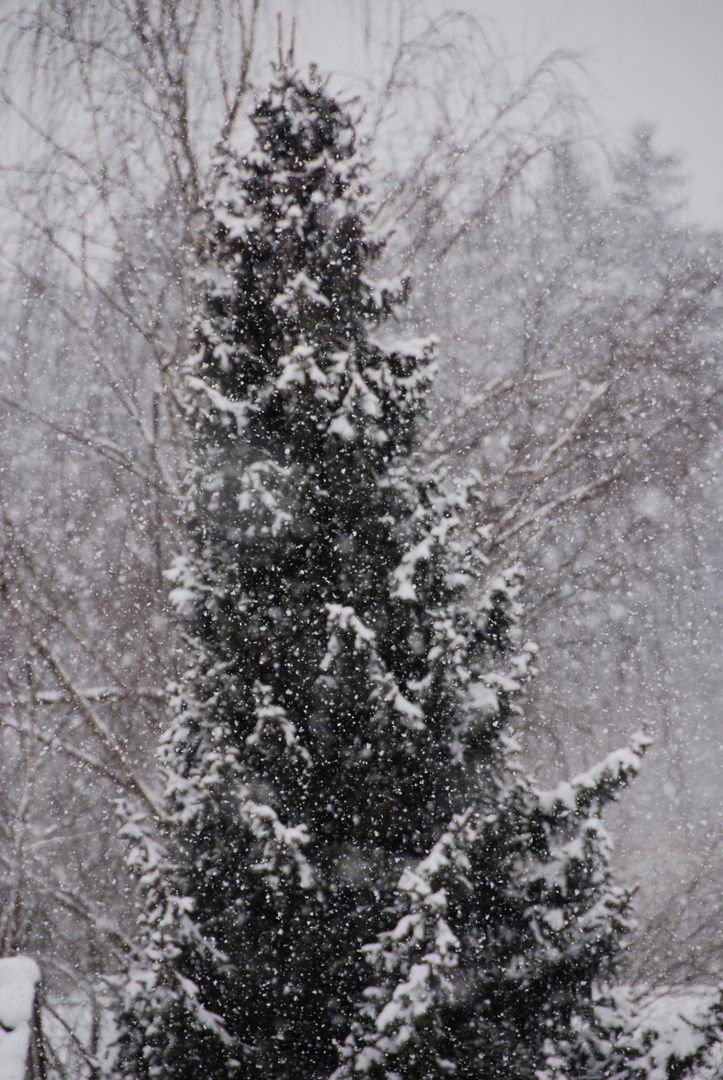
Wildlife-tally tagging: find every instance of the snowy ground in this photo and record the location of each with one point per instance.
(19, 977)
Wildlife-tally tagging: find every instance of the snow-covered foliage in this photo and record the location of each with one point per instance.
(351, 873)
(526, 883)
(677, 1028)
(631, 1032)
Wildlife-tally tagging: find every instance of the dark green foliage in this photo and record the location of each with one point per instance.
(342, 806)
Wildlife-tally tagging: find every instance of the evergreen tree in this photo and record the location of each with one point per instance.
(352, 874)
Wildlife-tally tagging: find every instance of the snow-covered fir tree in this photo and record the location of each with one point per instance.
(351, 875)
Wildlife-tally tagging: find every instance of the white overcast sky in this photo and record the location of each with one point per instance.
(659, 60)
(656, 60)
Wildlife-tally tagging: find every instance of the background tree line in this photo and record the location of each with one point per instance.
(579, 320)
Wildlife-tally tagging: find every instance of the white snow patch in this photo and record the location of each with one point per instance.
(238, 409)
(19, 977)
(555, 918)
(483, 697)
(677, 1018)
(341, 426)
(409, 710)
(614, 769)
(302, 287)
